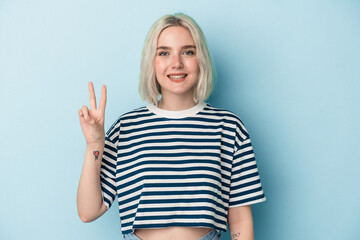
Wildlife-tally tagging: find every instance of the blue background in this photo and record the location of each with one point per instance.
(289, 69)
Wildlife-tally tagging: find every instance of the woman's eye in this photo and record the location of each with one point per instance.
(190, 52)
(163, 54)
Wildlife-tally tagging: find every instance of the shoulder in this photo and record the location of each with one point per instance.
(228, 116)
(128, 116)
(221, 112)
(134, 113)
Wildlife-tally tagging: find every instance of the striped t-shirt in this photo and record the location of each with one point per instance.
(178, 168)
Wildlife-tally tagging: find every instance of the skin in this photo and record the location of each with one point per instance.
(175, 56)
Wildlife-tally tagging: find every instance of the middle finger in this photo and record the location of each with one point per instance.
(92, 96)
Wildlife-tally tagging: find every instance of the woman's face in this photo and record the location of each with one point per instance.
(176, 65)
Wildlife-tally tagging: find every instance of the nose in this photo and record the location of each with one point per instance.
(177, 61)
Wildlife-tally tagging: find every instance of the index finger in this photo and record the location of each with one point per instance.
(92, 96)
(102, 102)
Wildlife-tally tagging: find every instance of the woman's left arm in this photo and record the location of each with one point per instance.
(240, 223)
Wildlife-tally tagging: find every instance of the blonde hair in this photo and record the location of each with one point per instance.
(149, 87)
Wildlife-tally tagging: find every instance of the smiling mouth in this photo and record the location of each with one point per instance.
(177, 76)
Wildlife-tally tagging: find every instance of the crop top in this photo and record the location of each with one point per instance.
(178, 168)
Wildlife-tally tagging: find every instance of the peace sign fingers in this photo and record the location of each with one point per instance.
(92, 96)
(92, 121)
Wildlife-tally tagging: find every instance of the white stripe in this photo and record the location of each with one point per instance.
(244, 165)
(170, 129)
(251, 155)
(246, 180)
(121, 165)
(199, 124)
(189, 204)
(168, 173)
(171, 151)
(235, 176)
(165, 137)
(177, 166)
(179, 220)
(245, 188)
(205, 212)
(184, 181)
(249, 203)
(258, 193)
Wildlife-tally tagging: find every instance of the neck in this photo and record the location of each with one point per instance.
(176, 103)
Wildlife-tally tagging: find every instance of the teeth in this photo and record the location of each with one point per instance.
(177, 76)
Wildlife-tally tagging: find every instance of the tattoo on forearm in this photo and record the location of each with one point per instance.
(96, 154)
(235, 236)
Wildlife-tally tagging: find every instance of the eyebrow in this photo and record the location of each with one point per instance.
(183, 47)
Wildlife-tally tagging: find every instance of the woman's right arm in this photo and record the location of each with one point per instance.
(89, 200)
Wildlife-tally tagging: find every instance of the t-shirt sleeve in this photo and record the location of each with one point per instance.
(245, 186)
(108, 165)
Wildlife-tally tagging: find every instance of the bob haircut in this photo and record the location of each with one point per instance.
(149, 87)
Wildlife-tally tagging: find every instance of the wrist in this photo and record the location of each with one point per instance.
(99, 146)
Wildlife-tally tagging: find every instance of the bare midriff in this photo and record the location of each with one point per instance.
(171, 233)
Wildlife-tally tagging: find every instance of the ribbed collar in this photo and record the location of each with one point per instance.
(176, 114)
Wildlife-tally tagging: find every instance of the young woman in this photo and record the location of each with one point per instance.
(181, 169)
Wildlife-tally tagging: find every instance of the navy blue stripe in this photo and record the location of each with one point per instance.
(169, 201)
(170, 140)
(136, 197)
(246, 145)
(107, 183)
(123, 225)
(179, 192)
(227, 177)
(174, 169)
(245, 169)
(247, 200)
(250, 151)
(242, 131)
(188, 208)
(169, 133)
(168, 217)
(107, 201)
(134, 115)
(239, 163)
(162, 162)
(169, 155)
(112, 133)
(109, 155)
(183, 192)
(109, 148)
(246, 176)
(164, 177)
(240, 186)
(103, 167)
(245, 192)
(111, 167)
(226, 144)
(128, 208)
(177, 147)
(225, 152)
(227, 161)
(197, 118)
(219, 113)
(111, 196)
(155, 127)
(180, 185)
